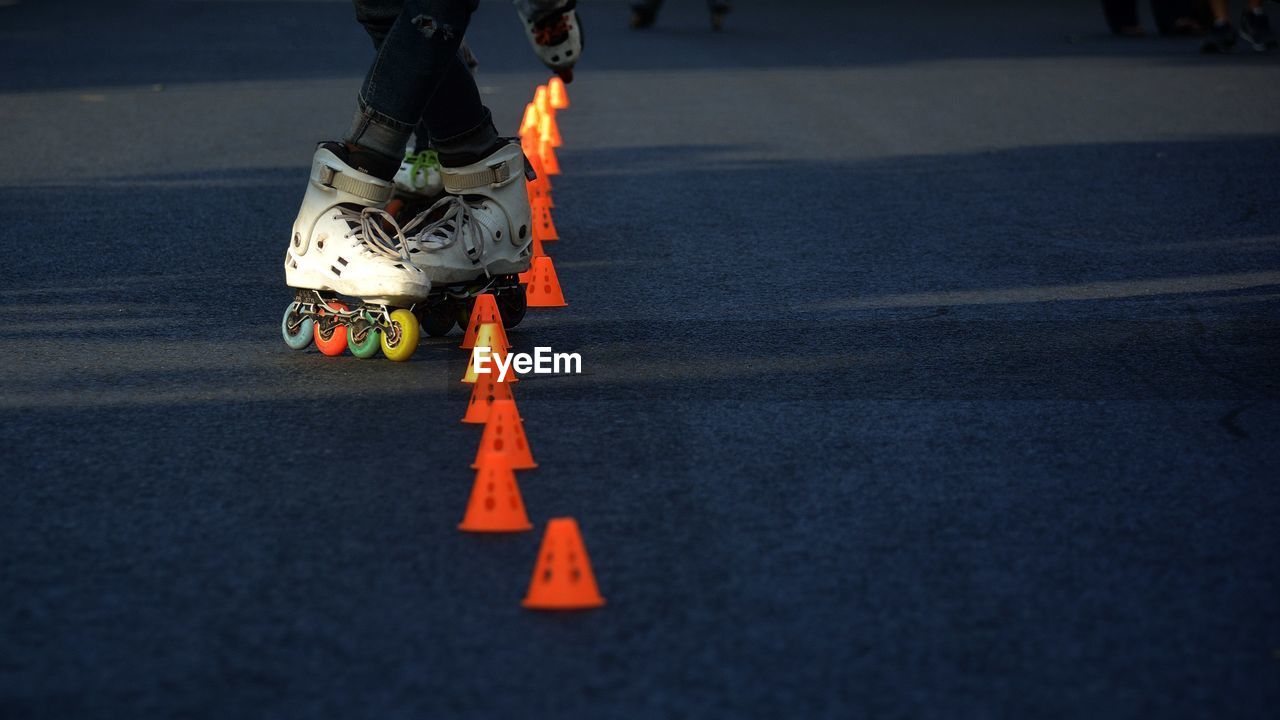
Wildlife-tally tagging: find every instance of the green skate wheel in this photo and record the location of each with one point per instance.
(296, 328)
(364, 338)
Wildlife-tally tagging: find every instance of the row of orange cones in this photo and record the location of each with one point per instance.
(562, 576)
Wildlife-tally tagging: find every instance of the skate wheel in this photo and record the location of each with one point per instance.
(512, 305)
(330, 333)
(363, 338)
(296, 328)
(437, 321)
(399, 342)
(462, 312)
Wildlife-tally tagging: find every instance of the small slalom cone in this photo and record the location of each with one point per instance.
(486, 391)
(542, 100)
(484, 310)
(495, 505)
(529, 124)
(488, 337)
(504, 440)
(544, 287)
(544, 227)
(538, 251)
(562, 577)
(550, 165)
(556, 94)
(549, 130)
(540, 186)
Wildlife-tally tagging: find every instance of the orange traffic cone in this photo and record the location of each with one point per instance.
(504, 440)
(562, 577)
(538, 251)
(486, 391)
(542, 100)
(549, 130)
(488, 337)
(550, 165)
(556, 94)
(484, 310)
(540, 187)
(544, 287)
(544, 228)
(529, 124)
(495, 505)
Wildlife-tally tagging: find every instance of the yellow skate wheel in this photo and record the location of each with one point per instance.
(401, 339)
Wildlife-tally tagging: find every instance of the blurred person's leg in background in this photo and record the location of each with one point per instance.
(645, 13)
(1122, 17)
(1255, 28)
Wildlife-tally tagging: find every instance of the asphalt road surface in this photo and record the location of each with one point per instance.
(930, 370)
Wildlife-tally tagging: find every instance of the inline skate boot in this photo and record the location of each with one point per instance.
(477, 238)
(345, 243)
(555, 33)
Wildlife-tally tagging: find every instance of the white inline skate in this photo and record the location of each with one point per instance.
(475, 239)
(345, 243)
(554, 32)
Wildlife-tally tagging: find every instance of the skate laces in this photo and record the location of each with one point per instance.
(373, 233)
(421, 163)
(436, 236)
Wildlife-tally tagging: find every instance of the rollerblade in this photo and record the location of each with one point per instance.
(555, 34)
(1221, 40)
(477, 238)
(345, 243)
(1255, 29)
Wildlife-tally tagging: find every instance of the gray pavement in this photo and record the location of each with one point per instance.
(930, 371)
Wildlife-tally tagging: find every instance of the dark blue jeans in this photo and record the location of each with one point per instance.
(418, 79)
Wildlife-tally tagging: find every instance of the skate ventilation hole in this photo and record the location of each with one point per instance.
(320, 242)
(524, 230)
(297, 240)
(335, 271)
(498, 234)
(343, 261)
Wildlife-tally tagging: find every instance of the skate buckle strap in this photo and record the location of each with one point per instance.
(457, 183)
(339, 180)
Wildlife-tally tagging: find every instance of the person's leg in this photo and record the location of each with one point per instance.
(377, 17)
(455, 122)
(1122, 17)
(418, 53)
(1255, 27)
(645, 13)
(718, 9)
(1222, 37)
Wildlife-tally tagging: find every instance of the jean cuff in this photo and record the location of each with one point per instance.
(379, 133)
(475, 140)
